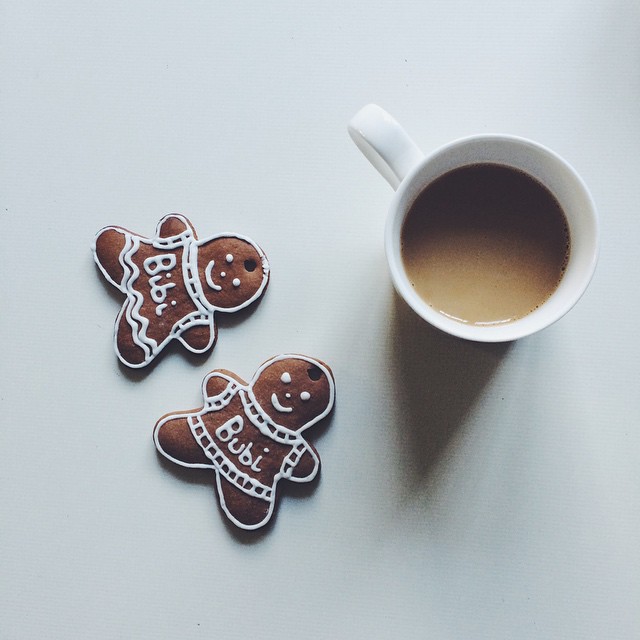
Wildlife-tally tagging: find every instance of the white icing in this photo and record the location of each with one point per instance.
(159, 291)
(235, 468)
(311, 361)
(236, 282)
(195, 286)
(230, 428)
(154, 266)
(221, 463)
(162, 262)
(222, 399)
(229, 258)
(279, 407)
(263, 421)
(287, 395)
(209, 279)
(245, 457)
(203, 315)
(286, 377)
(233, 448)
(223, 274)
(226, 433)
(131, 308)
(305, 395)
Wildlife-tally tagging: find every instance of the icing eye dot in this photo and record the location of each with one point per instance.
(305, 395)
(168, 274)
(266, 449)
(229, 258)
(236, 282)
(314, 373)
(286, 377)
(250, 265)
(173, 303)
(223, 274)
(287, 395)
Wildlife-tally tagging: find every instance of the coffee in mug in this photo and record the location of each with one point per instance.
(485, 244)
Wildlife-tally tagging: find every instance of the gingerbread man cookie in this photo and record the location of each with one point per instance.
(250, 435)
(175, 283)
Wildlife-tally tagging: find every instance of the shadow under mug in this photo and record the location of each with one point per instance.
(399, 160)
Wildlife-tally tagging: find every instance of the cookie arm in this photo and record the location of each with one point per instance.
(215, 384)
(107, 248)
(174, 440)
(173, 225)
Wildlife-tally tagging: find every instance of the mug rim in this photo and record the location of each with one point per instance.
(531, 323)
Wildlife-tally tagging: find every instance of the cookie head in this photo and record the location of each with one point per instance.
(294, 391)
(233, 271)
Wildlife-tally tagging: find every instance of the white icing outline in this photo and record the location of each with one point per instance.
(323, 368)
(158, 292)
(263, 422)
(159, 261)
(275, 403)
(209, 279)
(196, 286)
(222, 465)
(205, 311)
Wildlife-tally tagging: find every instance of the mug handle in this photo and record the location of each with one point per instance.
(384, 143)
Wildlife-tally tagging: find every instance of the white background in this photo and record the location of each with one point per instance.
(467, 491)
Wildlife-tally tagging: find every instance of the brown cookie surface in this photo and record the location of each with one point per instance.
(174, 284)
(250, 434)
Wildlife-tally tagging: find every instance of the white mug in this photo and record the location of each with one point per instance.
(392, 152)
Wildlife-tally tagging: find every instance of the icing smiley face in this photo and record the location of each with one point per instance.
(294, 391)
(233, 271)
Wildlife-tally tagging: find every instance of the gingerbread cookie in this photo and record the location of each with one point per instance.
(175, 283)
(250, 435)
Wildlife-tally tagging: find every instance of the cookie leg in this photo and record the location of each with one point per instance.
(199, 337)
(107, 248)
(129, 351)
(245, 511)
(174, 440)
(307, 465)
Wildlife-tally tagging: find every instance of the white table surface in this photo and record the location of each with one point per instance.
(467, 491)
